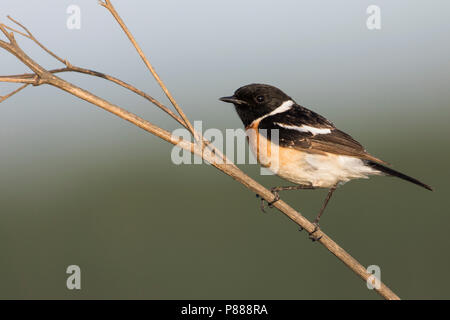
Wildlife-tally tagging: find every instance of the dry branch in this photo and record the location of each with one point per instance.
(30, 78)
(42, 76)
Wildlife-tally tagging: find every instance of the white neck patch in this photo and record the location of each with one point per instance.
(285, 106)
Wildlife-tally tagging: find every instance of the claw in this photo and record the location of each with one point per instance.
(262, 206)
(277, 197)
(269, 204)
(312, 236)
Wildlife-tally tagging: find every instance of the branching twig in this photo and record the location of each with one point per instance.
(29, 35)
(70, 67)
(30, 78)
(108, 5)
(41, 76)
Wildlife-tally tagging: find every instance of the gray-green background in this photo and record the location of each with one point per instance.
(80, 186)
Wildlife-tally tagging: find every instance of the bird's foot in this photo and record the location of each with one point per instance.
(269, 204)
(312, 235)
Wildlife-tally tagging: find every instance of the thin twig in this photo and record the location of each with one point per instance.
(29, 35)
(43, 76)
(108, 5)
(3, 98)
(17, 79)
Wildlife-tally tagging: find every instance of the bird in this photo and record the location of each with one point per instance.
(301, 146)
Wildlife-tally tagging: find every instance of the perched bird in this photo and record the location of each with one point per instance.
(311, 151)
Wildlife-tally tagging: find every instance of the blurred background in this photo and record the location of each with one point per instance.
(79, 186)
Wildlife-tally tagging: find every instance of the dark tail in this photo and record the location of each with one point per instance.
(394, 173)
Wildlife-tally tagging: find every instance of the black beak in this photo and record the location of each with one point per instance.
(232, 99)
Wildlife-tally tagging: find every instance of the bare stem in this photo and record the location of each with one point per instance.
(30, 36)
(108, 5)
(3, 98)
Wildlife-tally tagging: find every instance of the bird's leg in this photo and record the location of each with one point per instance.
(276, 190)
(316, 220)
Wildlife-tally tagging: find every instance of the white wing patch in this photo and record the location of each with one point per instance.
(305, 128)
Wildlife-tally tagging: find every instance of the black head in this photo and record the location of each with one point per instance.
(256, 100)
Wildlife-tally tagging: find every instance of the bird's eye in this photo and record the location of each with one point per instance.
(260, 99)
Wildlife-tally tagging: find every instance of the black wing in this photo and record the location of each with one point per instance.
(304, 129)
